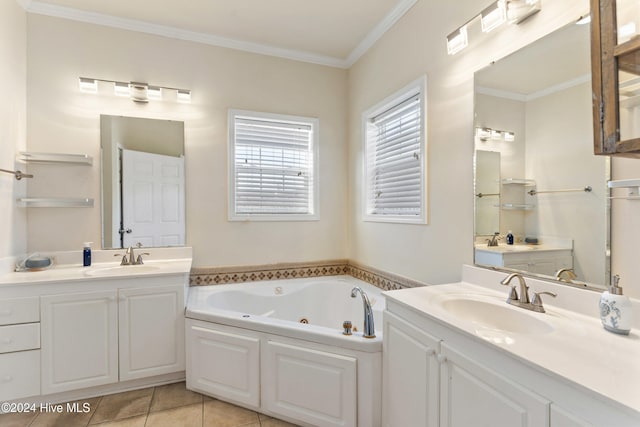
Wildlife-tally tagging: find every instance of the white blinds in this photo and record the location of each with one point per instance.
(273, 167)
(394, 170)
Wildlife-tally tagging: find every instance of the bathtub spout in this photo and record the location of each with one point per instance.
(369, 328)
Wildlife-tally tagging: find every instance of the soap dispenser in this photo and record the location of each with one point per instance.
(509, 238)
(86, 254)
(616, 312)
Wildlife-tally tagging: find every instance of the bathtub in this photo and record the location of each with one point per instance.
(278, 347)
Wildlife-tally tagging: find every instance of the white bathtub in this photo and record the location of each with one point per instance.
(246, 344)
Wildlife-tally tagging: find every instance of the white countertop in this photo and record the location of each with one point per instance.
(578, 349)
(161, 261)
(504, 248)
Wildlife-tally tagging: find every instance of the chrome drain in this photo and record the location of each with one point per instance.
(304, 320)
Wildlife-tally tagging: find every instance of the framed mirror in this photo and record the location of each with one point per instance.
(536, 176)
(143, 184)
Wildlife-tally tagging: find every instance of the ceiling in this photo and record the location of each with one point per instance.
(329, 32)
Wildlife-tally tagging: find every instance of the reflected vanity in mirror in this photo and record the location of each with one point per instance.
(535, 172)
(143, 185)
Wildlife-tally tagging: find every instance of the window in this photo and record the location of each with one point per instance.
(272, 167)
(395, 157)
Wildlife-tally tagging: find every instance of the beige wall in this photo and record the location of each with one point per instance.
(13, 119)
(413, 47)
(61, 119)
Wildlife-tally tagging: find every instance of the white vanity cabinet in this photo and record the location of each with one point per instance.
(151, 331)
(479, 384)
(19, 347)
(410, 382)
(546, 262)
(102, 337)
(79, 340)
(473, 395)
(427, 382)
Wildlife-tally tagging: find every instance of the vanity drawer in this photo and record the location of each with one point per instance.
(19, 374)
(19, 310)
(19, 337)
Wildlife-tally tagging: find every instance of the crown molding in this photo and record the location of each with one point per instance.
(43, 8)
(514, 96)
(378, 31)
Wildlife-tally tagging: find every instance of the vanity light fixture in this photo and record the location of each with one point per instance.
(137, 91)
(519, 10)
(493, 16)
(457, 40)
(88, 85)
(485, 134)
(184, 95)
(121, 89)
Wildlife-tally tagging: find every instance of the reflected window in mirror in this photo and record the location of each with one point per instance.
(541, 95)
(143, 182)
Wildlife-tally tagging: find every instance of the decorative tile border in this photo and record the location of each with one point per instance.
(241, 274)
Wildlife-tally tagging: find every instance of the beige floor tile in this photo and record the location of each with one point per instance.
(17, 419)
(221, 414)
(137, 421)
(173, 396)
(68, 417)
(123, 405)
(273, 422)
(184, 416)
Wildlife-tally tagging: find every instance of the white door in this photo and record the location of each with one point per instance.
(79, 340)
(410, 375)
(152, 199)
(151, 325)
(471, 395)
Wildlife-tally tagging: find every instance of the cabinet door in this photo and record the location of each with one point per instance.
(151, 325)
(79, 341)
(472, 395)
(314, 386)
(223, 363)
(562, 418)
(410, 375)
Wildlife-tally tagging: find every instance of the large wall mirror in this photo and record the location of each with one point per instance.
(143, 186)
(536, 176)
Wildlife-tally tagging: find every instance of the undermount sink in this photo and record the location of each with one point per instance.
(495, 316)
(121, 269)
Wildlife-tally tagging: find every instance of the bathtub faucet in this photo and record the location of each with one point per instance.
(369, 329)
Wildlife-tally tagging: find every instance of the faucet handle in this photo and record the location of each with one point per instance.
(536, 302)
(139, 259)
(124, 260)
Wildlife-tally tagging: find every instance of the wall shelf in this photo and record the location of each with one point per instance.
(77, 159)
(517, 206)
(519, 181)
(55, 202)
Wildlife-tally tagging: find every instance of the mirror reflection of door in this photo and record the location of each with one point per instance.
(487, 192)
(152, 209)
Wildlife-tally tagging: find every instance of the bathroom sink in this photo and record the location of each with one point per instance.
(495, 315)
(121, 270)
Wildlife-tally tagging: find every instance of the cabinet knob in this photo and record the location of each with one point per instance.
(441, 358)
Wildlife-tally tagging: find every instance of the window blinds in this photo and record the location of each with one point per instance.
(394, 161)
(273, 167)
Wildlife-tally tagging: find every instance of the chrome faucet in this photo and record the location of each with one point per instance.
(523, 301)
(369, 328)
(494, 240)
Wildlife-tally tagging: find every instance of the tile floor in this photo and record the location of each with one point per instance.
(169, 405)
